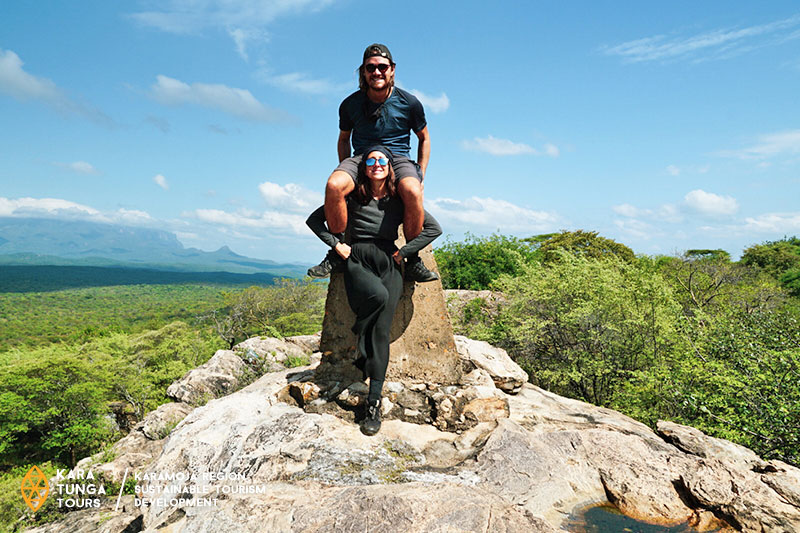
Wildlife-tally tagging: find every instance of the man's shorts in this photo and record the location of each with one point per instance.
(403, 167)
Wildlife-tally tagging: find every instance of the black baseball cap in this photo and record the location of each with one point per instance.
(377, 49)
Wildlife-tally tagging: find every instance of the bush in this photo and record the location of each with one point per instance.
(477, 261)
(583, 243)
(55, 401)
(582, 326)
(290, 307)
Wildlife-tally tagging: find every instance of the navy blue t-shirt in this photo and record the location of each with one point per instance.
(389, 123)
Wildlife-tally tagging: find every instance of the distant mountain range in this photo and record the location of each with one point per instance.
(40, 241)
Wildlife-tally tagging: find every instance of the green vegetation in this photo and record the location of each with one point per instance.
(475, 263)
(290, 307)
(696, 339)
(780, 259)
(55, 401)
(478, 261)
(78, 315)
(35, 278)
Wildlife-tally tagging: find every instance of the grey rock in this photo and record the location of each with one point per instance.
(538, 458)
(506, 374)
(695, 442)
(307, 343)
(273, 350)
(451, 508)
(159, 423)
(421, 335)
(217, 377)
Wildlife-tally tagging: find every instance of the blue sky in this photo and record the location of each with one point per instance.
(665, 126)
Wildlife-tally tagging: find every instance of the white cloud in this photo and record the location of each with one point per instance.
(711, 204)
(241, 37)
(299, 81)
(628, 210)
(28, 207)
(774, 223)
(665, 213)
(161, 181)
(243, 20)
(503, 147)
(238, 102)
(491, 214)
(131, 216)
(23, 86)
(636, 228)
(672, 170)
(714, 44)
(271, 220)
(291, 197)
(436, 104)
(499, 147)
(551, 150)
(80, 167)
(65, 209)
(770, 145)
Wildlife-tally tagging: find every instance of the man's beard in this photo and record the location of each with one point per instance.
(389, 83)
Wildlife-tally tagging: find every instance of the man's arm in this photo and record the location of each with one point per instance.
(343, 145)
(423, 149)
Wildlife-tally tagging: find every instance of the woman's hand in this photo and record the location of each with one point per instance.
(343, 250)
(397, 257)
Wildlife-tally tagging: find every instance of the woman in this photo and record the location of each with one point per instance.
(372, 276)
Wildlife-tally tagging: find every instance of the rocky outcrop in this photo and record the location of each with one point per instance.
(421, 325)
(284, 455)
(217, 377)
(505, 373)
(159, 423)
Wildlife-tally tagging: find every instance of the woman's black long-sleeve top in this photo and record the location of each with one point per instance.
(378, 219)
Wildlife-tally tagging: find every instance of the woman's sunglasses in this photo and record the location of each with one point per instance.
(383, 67)
(371, 161)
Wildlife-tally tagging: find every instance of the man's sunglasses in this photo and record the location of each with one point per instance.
(383, 67)
(371, 161)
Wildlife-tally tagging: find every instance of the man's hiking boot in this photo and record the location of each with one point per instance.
(332, 263)
(417, 271)
(372, 422)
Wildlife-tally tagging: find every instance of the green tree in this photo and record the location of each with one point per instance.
(290, 307)
(742, 382)
(583, 326)
(716, 255)
(775, 257)
(477, 261)
(709, 284)
(53, 407)
(585, 243)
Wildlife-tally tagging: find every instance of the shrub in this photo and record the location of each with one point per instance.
(477, 261)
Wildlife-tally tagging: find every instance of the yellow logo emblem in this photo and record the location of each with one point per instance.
(35, 488)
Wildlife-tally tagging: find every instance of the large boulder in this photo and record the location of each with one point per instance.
(506, 374)
(422, 347)
(535, 459)
(219, 376)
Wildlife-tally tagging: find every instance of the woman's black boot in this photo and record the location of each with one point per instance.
(372, 421)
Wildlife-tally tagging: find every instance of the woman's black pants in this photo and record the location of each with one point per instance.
(373, 284)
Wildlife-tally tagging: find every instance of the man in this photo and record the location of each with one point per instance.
(379, 113)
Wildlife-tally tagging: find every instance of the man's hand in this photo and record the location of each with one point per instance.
(397, 257)
(343, 250)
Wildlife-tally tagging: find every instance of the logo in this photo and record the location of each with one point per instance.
(35, 488)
